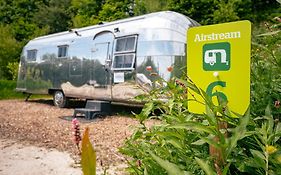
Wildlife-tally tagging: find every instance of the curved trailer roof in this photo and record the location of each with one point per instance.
(153, 26)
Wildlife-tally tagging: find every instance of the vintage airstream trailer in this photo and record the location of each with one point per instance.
(113, 61)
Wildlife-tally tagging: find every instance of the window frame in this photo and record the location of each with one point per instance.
(124, 37)
(34, 53)
(126, 52)
(124, 68)
(66, 52)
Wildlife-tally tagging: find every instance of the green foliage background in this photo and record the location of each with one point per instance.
(22, 20)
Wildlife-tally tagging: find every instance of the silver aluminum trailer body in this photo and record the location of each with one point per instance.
(114, 61)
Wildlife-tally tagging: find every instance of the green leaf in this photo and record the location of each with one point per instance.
(226, 169)
(170, 134)
(136, 135)
(257, 154)
(191, 86)
(210, 141)
(277, 132)
(268, 116)
(267, 111)
(207, 98)
(210, 116)
(259, 159)
(175, 143)
(88, 157)
(274, 137)
(199, 142)
(172, 169)
(147, 109)
(238, 132)
(145, 171)
(173, 138)
(198, 127)
(208, 170)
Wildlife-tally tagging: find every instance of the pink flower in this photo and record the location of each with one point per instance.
(76, 131)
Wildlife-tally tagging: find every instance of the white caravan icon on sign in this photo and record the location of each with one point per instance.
(210, 56)
(216, 56)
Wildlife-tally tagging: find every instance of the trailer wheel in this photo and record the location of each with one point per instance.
(59, 99)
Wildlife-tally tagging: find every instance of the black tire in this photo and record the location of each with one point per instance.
(59, 99)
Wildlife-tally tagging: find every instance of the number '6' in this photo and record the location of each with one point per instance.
(211, 86)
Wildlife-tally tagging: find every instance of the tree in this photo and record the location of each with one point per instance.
(227, 11)
(19, 14)
(199, 10)
(115, 9)
(141, 7)
(85, 12)
(54, 16)
(216, 11)
(9, 51)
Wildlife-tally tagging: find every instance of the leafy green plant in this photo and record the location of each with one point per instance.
(13, 68)
(217, 142)
(265, 159)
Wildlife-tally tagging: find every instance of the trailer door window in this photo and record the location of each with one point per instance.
(126, 44)
(124, 61)
(31, 55)
(62, 51)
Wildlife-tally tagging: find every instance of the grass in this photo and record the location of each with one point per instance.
(7, 91)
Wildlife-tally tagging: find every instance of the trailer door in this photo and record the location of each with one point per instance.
(124, 86)
(101, 58)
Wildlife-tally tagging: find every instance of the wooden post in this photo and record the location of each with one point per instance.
(216, 153)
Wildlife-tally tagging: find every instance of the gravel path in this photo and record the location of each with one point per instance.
(30, 160)
(40, 124)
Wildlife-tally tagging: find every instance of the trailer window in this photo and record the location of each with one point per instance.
(124, 61)
(31, 55)
(62, 51)
(126, 44)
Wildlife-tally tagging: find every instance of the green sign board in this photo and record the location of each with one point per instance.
(218, 61)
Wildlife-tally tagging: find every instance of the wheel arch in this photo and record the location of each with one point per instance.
(52, 91)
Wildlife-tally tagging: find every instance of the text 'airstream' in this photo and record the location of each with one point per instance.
(113, 61)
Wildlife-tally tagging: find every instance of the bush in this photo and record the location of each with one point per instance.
(265, 69)
(13, 68)
(217, 142)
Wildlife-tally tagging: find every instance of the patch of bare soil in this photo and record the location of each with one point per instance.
(39, 123)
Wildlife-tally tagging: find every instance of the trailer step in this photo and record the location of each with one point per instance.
(93, 108)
